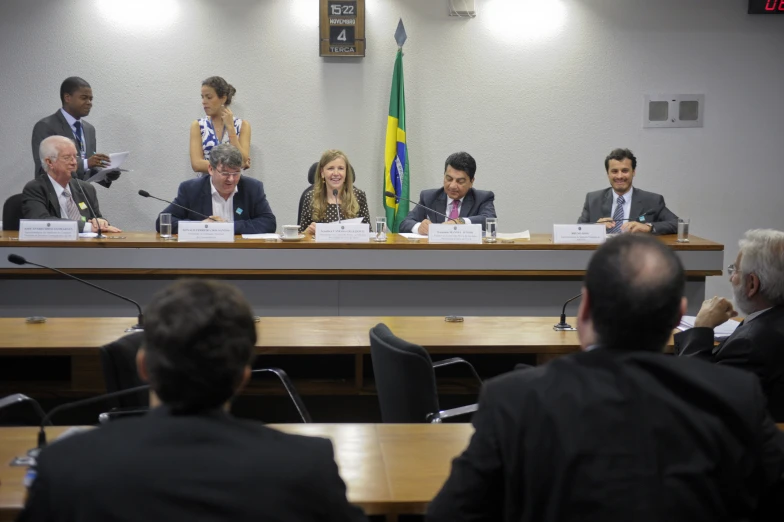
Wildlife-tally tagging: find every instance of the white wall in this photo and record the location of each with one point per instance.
(538, 107)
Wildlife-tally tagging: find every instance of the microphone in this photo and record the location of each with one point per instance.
(337, 203)
(145, 194)
(19, 260)
(92, 212)
(398, 198)
(76, 404)
(563, 326)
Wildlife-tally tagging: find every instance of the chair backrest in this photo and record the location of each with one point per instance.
(302, 204)
(12, 212)
(118, 360)
(405, 381)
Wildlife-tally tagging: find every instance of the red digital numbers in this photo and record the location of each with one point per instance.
(774, 5)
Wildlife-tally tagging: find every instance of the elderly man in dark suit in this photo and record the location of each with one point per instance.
(458, 199)
(624, 208)
(621, 432)
(757, 345)
(76, 97)
(57, 195)
(188, 458)
(225, 195)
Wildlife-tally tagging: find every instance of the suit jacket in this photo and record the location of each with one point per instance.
(39, 199)
(57, 125)
(598, 205)
(252, 212)
(206, 467)
(477, 206)
(618, 435)
(756, 346)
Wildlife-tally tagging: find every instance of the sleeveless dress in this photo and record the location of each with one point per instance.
(208, 138)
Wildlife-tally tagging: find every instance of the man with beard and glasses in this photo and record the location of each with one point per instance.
(757, 345)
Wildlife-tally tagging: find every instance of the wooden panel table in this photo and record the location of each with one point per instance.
(398, 277)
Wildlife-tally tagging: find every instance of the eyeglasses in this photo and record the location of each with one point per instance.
(67, 157)
(731, 269)
(228, 174)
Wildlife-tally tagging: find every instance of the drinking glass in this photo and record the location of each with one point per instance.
(491, 229)
(683, 230)
(166, 226)
(381, 229)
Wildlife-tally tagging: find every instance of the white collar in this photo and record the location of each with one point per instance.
(70, 119)
(214, 191)
(626, 197)
(58, 189)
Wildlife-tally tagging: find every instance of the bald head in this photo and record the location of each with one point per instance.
(635, 286)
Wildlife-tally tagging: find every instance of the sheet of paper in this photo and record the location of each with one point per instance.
(115, 161)
(352, 221)
(514, 235)
(720, 332)
(260, 236)
(88, 234)
(409, 235)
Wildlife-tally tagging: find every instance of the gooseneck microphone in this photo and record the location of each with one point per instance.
(398, 198)
(76, 404)
(563, 325)
(337, 203)
(19, 260)
(92, 212)
(145, 194)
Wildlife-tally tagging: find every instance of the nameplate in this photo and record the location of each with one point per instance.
(200, 232)
(342, 233)
(573, 234)
(43, 230)
(455, 234)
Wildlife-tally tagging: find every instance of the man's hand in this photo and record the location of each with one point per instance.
(636, 226)
(98, 160)
(105, 226)
(424, 226)
(214, 219)
(608, 222)
(454, 222)
(715, 311)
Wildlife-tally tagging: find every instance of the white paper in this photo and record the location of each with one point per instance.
(454, 234)
(115, 160)
(409, 235)
(342, 233)
(579, 234)
(352, 221)
(45, 230)
(720, 332)
(260, 236)
(514, 235)
(88, 234)
(198, 231)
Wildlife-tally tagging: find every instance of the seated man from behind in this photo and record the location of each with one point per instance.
(458, 199)
(757, 345)
(624, 208)
(225, 195)
(58, 195)
(620, 431)
(188, 458)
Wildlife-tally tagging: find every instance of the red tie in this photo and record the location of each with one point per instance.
(454, 213)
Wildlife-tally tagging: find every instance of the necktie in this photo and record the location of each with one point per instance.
(70, 207)
(618, 215)
(455, 212)
(78, 126)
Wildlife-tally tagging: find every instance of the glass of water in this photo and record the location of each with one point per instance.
(683, 230)
(491, 229)
(381, 229)
(166, 226)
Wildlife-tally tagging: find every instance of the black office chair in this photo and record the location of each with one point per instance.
(12, 212)
(406, 380)
(311, 181)
(11, 416)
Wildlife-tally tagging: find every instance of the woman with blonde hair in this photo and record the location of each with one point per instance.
(333, 186)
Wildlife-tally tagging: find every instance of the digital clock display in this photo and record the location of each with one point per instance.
(766, 6)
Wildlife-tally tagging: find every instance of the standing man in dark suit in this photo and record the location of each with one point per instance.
(623, 208)
(76, 97)
(621, 432)
(757, 345)
(457, 199)
(188, 458)
(225, 195)
(58, 195)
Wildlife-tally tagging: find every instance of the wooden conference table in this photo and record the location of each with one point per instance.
(397, 277)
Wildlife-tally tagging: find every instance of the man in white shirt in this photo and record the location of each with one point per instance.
(457, 202)
(57, 195)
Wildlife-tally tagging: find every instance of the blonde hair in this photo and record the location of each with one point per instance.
(349, 206)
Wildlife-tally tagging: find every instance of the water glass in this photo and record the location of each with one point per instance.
(166, 226)
(381, 229)
(683, 230)
(491, 229)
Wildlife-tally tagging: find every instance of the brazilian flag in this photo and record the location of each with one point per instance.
(396, 153)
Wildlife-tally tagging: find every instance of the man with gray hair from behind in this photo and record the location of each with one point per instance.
(757, 345)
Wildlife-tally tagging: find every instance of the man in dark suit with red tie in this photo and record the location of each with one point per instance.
(188, 458)
(621, 432)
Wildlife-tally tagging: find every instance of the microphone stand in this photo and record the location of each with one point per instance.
(563, 326)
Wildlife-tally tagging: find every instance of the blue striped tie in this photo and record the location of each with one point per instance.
(618, 215)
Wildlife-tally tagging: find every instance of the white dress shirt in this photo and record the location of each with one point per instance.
(59, 190)
(415, 229)
(223, 208)
(627, 205)
(71, 120)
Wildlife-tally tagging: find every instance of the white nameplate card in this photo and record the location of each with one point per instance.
(43, 230)
(200, 232)
(342, 233)
(455, 234)
(574, 234)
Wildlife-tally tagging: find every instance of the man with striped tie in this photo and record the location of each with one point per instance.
(57, 195)
(623, 208)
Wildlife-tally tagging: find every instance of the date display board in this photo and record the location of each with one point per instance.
(342, 28)
(766, 7)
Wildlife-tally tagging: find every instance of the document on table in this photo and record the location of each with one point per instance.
(352, 221)
(260, 236)
(515, 235)
(722, 331)
(115, 161)
(408, 235)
